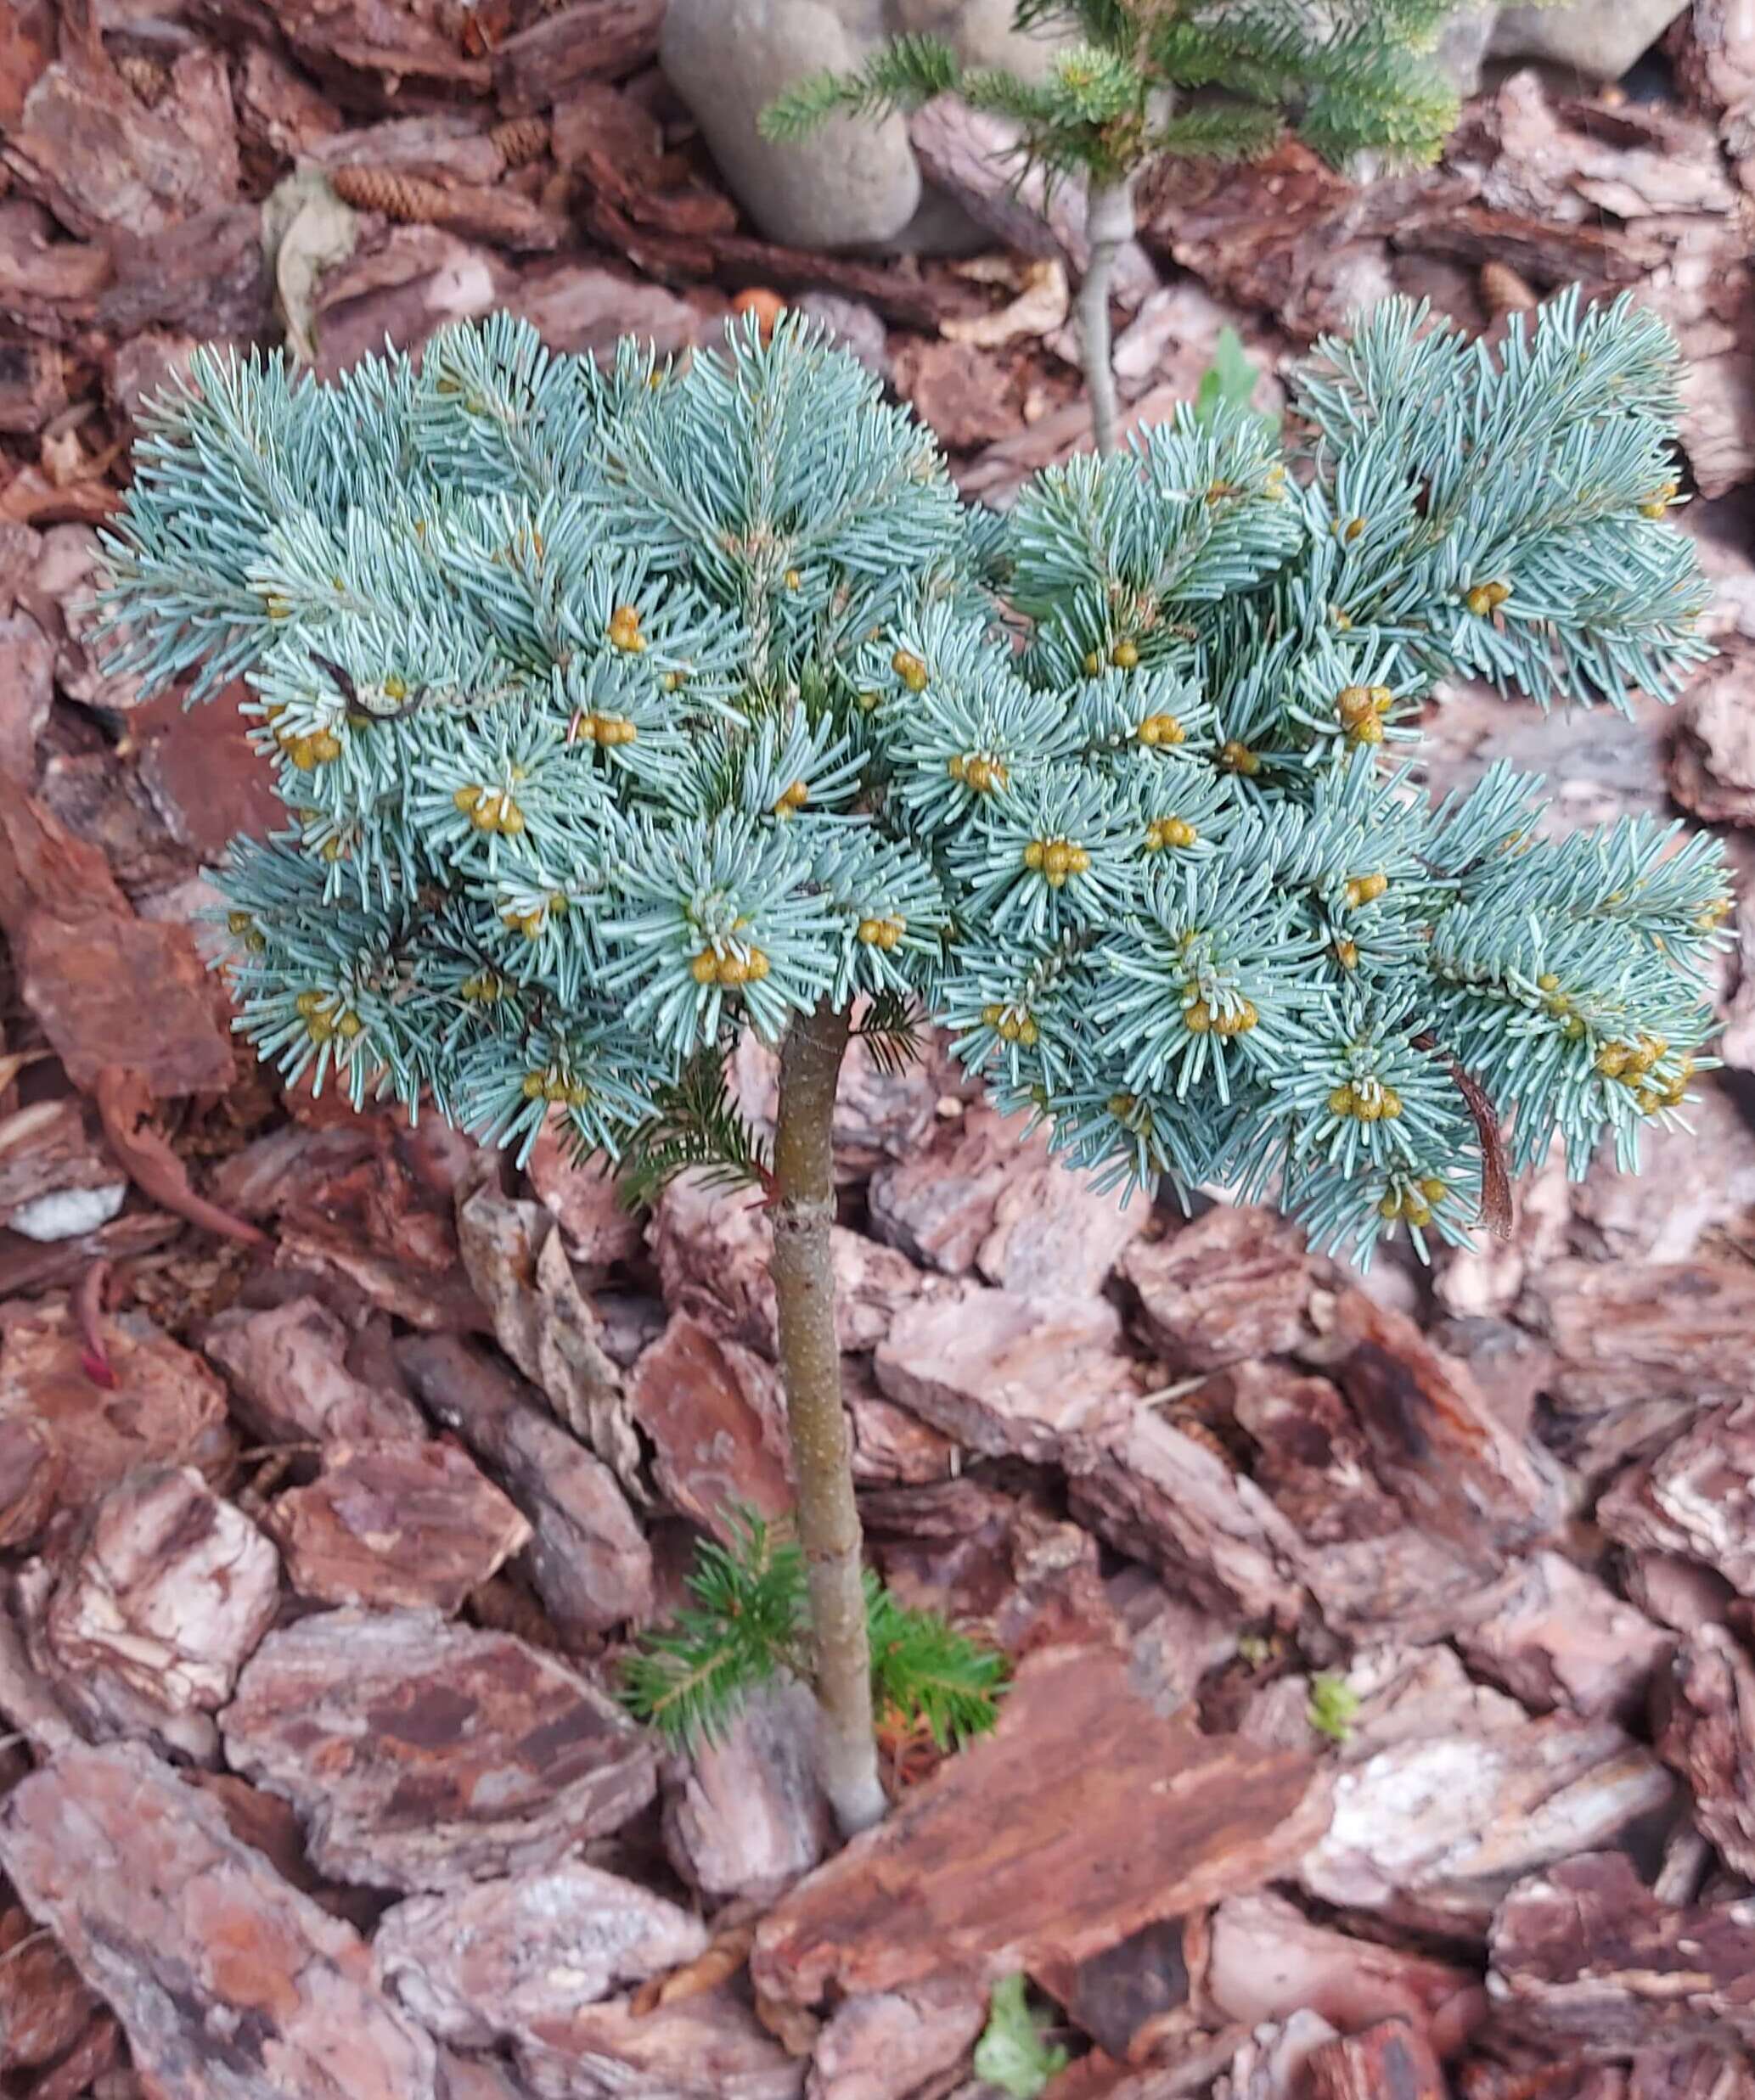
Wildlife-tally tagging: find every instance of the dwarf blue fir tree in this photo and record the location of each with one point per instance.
(619, 710)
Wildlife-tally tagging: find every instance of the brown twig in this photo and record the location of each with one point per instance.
(146, 1157)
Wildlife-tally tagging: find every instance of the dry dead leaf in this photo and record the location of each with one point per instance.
(720, 1962)
(1040, 307)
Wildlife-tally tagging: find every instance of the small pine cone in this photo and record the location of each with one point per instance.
(520, 140)
(407, 198)
(147, 77)
(1503, 291)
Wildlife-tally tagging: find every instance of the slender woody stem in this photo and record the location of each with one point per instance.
(803, 1212)
(1109, 223)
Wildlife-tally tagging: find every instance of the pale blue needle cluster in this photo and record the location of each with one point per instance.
(616, 710)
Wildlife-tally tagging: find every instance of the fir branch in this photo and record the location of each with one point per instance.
(695, 1125)
(924, 1671)
(901, 77)
(892, 1028)
(747, 1625)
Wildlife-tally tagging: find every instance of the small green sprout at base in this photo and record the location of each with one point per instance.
(1011, 2054)
(750, 1625)
(1333, 1705)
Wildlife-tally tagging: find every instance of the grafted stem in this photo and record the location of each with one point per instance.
(803, 1212)
(1109, 223)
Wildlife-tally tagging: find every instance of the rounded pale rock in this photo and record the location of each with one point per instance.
(850, 184)
(1602, 38)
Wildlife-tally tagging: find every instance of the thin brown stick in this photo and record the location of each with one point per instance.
(803, 1212)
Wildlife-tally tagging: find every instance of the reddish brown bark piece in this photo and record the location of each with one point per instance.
(585, 1201)
(46, 1149)
(897, 2042)
(165, 1405)
(979, 1196)
(516, 1259)
(287, 1370)
(1457, 1471)
(1627, 1332)
(1083, 1818)
(936, 1203)
(891, 1447)
(1391, 2061)
(713, 1247)
(1557, 1637)
(481, 1965)
(1707, 1734)
(227, 1981)
(44, 2008)
(1162, 1497)
(1585, 1957)
(368, 53)
(587, 39)
(396, 1524)
(1003, 1374)
(588, 1560)
(97, 978)
(746, 1816)
(1431, 1829)
(1231, 1284)
(708, 2047)
(167, 1591)
(421, 1755)
(30, 1477)
(714, 1414)
(99, 158)
(1695, 1496)
(1267, 1960)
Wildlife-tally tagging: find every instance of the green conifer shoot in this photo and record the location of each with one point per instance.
(618, 712)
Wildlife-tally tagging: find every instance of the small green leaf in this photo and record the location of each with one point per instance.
(1230, 379)
(1011, 2053)
(1333, 1704)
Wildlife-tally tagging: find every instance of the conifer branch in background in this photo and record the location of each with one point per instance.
(1139, 79)
(619, 713)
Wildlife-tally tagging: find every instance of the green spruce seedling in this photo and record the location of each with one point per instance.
(619, 712)
(1206, 79)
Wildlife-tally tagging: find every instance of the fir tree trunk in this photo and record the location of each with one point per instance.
(822, 1455)
(1109, 223)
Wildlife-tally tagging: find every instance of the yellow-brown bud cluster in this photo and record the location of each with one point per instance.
(1631, 1062)
(1366, 889)
(1011, 1025)
(1362, 709)
(490, 809)
(1200, 1020)
(792, 797)
(1055, 860)
(1487, 598)
(912, 673)
(1655, 505)
(530, 924)
(711, 968)
(1159, 730)
(625, 630)
(605, 731)
(1169, 831)
(325, 1018)
(483, 989)
(1416, 1205)
(981, 775)
(552, 1086)
(1237, 758)
(1366, 1101)
(882, 933)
